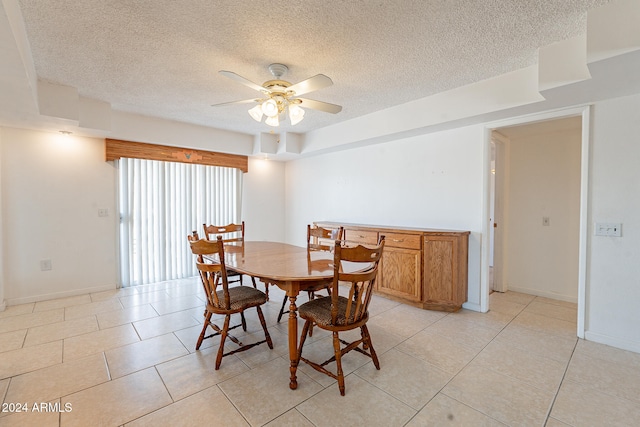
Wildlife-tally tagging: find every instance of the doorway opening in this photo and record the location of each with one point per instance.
(537, 171)
(539, 209)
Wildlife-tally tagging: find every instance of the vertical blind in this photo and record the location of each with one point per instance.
(160, 204)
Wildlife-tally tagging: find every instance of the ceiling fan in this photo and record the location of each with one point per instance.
(280, 98)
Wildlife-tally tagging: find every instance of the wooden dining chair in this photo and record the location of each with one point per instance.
(231, 234)
(194, 237)
(337, 313)
(222, 299)
(318, 239)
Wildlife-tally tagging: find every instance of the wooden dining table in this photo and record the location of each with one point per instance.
(291, 268)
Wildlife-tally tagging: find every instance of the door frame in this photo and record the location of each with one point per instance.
(501, 167)
(584, 111)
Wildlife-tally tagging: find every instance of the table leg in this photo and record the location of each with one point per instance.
(293, 341)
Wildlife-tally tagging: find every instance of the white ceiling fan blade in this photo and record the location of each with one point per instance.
(246, 101)
(319, 105)
(240, 79)
(311, 84)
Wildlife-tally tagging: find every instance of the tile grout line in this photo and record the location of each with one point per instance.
(447, 383)
(436, 367)
(588, 384)
(548, 414)
(451, 379)
(6, 392)
(410, 355)
(468, 363)
(244, 417)
(564, 374)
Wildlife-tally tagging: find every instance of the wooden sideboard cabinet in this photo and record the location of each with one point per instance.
(423, 267)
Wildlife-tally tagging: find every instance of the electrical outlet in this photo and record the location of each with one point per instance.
(545, 221)
(45, 265)
(103, 212)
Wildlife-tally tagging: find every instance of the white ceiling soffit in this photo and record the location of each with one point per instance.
(161, 59)
(569, 124)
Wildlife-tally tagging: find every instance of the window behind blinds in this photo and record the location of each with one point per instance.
(160, 204)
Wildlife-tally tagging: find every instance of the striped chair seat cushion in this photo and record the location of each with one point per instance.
(243, 297)
(319, 311)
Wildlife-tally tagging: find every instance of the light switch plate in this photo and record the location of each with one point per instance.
(608, 229)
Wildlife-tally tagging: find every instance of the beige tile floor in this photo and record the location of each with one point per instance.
(127, 358)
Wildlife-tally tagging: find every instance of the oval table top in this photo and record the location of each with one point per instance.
(279, 261)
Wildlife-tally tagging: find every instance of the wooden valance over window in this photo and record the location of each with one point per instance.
(116, 149)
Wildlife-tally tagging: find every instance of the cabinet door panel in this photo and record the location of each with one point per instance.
(401, 273)
(439, 261)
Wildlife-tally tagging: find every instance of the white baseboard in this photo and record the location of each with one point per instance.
(539, 293)
(63, 294)
(471, 306)
(621, 343)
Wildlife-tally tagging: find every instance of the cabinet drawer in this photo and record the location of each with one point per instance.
(400, 240)
(361, 236)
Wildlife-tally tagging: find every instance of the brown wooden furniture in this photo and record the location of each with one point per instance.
(323, 239)
(318, 239)
(423, 267)
(337, 313)
(223, 300)
(287, 267)
(232, 233)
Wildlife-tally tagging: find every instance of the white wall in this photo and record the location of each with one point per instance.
(52, 188)
(263, 200)
(2, 301)
(613, 285)
(544, 181)
(433, 180)
(50, 192)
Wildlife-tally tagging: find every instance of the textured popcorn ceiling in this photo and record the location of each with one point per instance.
(161, 57)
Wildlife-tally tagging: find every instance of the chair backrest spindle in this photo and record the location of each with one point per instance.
(212, 269)
(362, 282)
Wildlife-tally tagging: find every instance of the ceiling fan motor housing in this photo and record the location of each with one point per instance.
(278, 70)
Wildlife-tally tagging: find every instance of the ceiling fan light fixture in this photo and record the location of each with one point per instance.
(270, 108)
(278, 99)
(256, 113)
(296, 114)
(273, 121)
